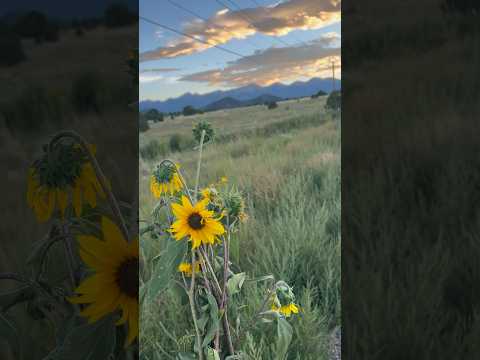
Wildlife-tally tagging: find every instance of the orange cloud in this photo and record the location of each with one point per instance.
(274, 65)
(277, 20)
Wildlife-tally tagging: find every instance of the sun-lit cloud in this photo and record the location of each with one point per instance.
(274, 65)
(277, 20)
(149, 77)
(159, 70)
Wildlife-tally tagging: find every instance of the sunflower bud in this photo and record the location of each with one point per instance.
(234, 204)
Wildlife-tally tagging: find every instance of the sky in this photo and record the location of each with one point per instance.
(263, 42)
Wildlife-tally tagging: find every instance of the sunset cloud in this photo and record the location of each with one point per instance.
(277, 65)
(277, 20)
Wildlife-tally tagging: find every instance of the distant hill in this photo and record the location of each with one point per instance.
(199, 101)
(231, 103)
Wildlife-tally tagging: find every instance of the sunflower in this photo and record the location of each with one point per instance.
(286, 310)
(186, 268)
(165, 179)
(114, 285)
(60, 176)
(196, 222)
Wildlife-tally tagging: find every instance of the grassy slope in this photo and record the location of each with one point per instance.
(291, 180)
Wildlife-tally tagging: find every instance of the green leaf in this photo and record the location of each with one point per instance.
(212, 354)
(284, 337)
(165, 268)
(10, 334)
(88, 342)
(214, 320)
(235, 283)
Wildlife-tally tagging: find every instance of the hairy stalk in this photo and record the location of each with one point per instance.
(223, 305)
(69, 255)
(210, 268)
(191, 298)
(98, 171)
(200, 151)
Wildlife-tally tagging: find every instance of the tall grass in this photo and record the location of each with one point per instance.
(291, 179)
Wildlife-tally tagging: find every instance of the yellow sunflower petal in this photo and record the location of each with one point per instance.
(124, 307)
(179, 211)
(77, 198)
(201, 205)
(132, 322)
(186, 203)
(95, 247)
(62, 199)
(90, 195)
(113, 236)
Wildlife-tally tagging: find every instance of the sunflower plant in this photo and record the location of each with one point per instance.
(196, 226)
(92, 311)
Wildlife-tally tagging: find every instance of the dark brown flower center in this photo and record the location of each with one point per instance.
(196, 221)
(127, 277)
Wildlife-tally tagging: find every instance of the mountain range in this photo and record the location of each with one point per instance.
(241, 96)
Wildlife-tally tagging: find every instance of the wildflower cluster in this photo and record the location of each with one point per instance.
(202, 222)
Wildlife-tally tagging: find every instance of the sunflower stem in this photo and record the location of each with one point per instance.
(191, 298)
(98, 171)
(199, 163)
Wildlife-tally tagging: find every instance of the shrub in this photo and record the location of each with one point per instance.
(152, 150)
(272, 105)
(209, 132)
(334, 101)
(320, 93)
(153, 115)
(117, 15)
(11, 45)
(32, 109)
(37, 26)
(79, 32)
(143, 124)
(175, 143)
(189, 110)
(87, 93)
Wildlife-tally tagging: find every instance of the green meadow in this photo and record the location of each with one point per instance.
(286, 163)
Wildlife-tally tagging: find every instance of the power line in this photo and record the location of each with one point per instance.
(191, 12)
(196, 39)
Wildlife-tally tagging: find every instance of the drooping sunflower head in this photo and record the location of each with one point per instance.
(286, 310)
(165, 180)
(283, 300)
(60, 166)
(195, 222)
(284, 293)
(113, 285)
(62, 173)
